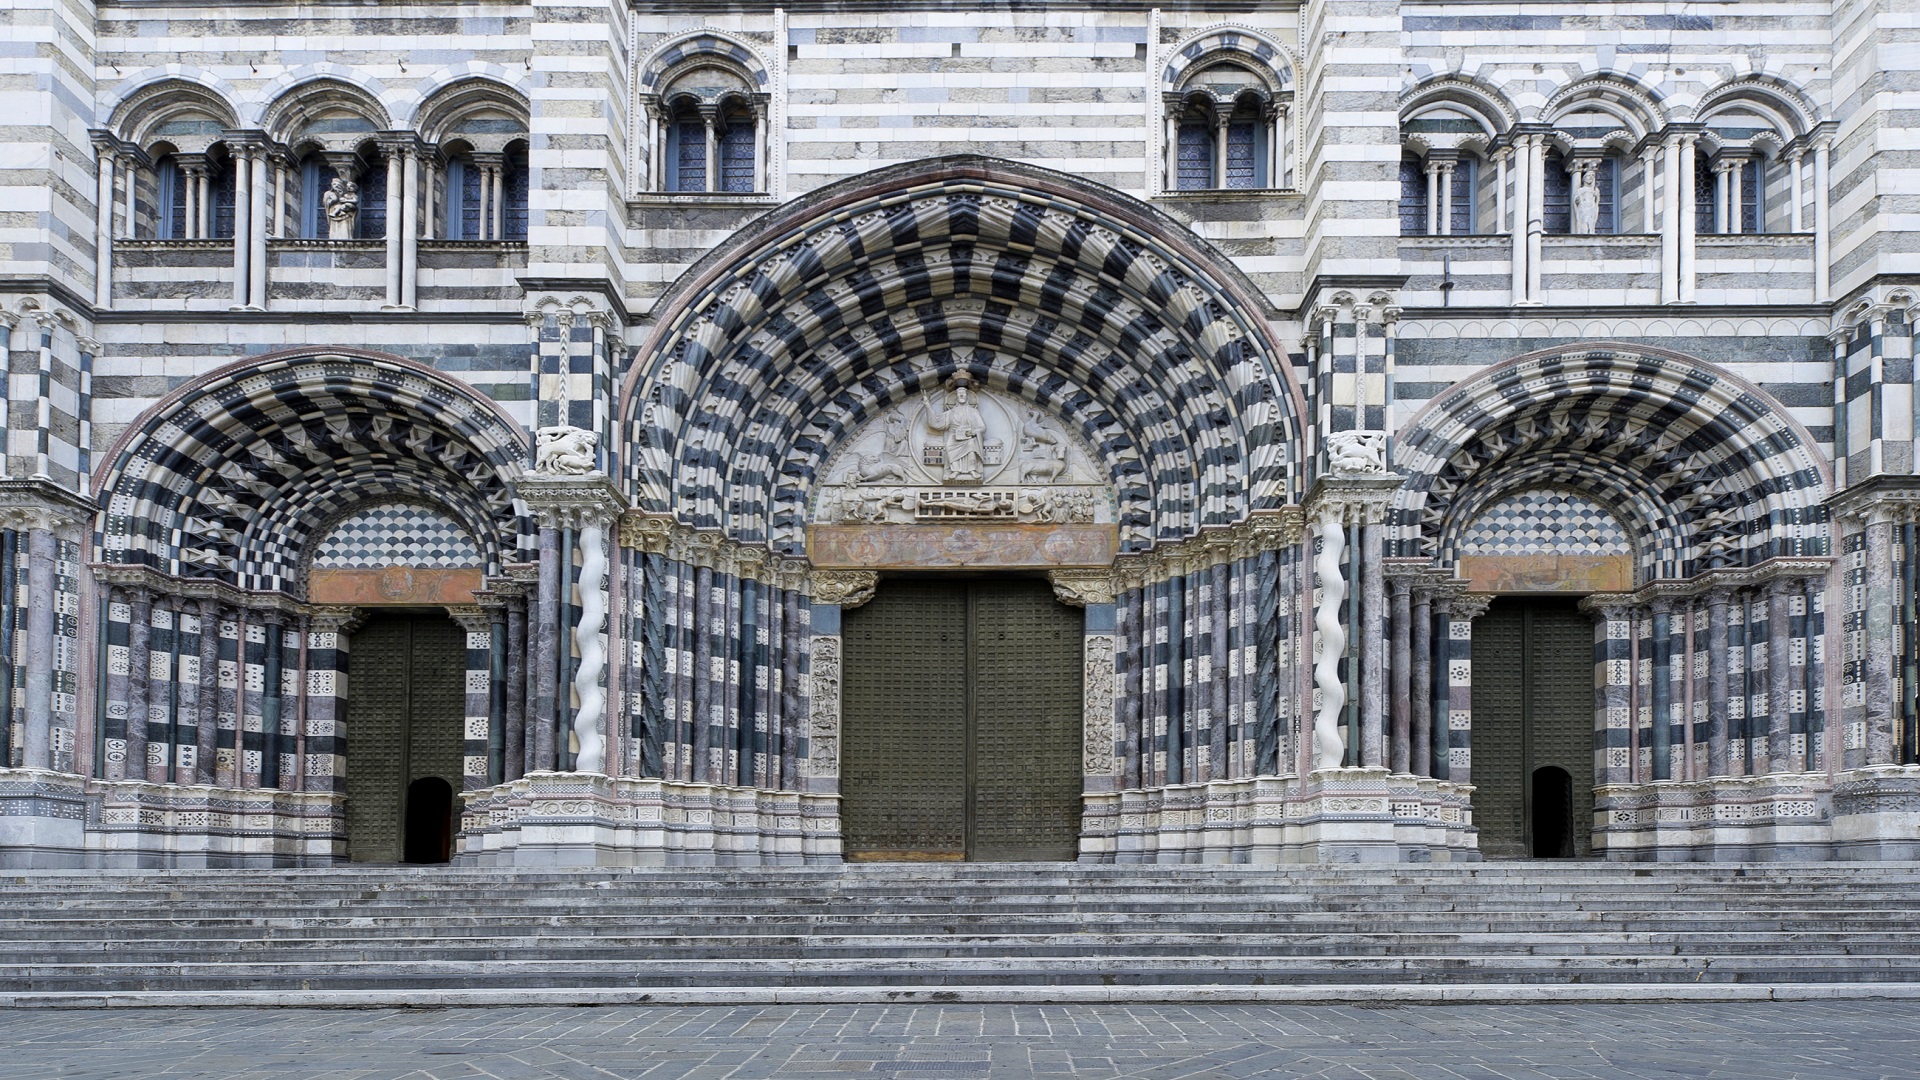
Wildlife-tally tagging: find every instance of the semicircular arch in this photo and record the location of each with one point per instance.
(234, 475)
(1070, 296)
(1714, 471)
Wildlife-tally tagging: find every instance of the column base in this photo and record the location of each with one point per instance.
(1868, 813)
(52, 819)
(587, 819)
(1333, 816)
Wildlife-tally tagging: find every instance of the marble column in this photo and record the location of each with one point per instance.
(1878, 634)
(546, 653)
(582, 505)
(1822, 228)
(1420, 680)
(207, 718)
(139, 662)
(37, 749)
(242, 221)
(103, 223)
(1717, 693)
(1662, 689)
(396, 193)
(1400, 744)
(515, 761)
(1373, 604)
(1466, 608)
(1613, 685)
(1779, 675)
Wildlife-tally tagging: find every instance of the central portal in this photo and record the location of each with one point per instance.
(962, 723)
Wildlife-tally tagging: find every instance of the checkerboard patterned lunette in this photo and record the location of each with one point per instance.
(390, 534)
(1545, 522)
(1049, 299)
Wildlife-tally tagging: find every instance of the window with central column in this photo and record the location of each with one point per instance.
(707, 125)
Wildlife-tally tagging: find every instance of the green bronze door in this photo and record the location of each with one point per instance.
(1533, 729)
(406, 703)
(962, 723)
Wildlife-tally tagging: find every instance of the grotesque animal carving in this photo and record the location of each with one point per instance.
(564, 451)
(1357, 452)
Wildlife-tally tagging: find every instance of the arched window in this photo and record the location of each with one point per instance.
(1729, 193)
(170, 214)
(707, 117)
(1226, 95)
(1438, 195)
(1196, 150)
(314, 180)
(515, 183)
(372, 221)
(1413, 197)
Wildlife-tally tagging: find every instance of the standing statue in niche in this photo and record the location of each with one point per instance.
(1586, 202)
(964, 427)
(342, 206)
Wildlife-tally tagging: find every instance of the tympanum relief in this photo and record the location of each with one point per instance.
(962, 454)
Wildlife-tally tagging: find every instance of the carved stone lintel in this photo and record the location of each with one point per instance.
(1079, 588)
(847, 588)
(568, 502)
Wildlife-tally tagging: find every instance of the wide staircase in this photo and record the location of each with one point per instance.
(1037, 932)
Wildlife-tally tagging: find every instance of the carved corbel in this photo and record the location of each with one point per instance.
(846, 588)
(1080, 588)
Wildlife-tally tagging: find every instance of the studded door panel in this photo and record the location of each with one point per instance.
(376, 738)
(903, 767)
(1026, 723)
(1498, 717)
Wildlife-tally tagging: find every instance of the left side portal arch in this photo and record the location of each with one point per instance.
(237, 475)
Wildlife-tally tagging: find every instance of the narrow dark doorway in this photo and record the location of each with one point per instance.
(1552, 813)
(406, 702)
(429, 820)
(1533, 724)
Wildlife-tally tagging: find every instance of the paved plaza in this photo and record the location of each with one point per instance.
(1761, 1041)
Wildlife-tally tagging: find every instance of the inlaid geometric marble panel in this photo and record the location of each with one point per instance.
(1545, 521)
(396, 534)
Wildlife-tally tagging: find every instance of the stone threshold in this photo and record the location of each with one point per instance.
(1173, 993)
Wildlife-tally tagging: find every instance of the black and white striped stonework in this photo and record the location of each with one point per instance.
(234, 477)
(1703, 468)
(799, 336)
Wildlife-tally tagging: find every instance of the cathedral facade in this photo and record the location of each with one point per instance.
(633, 433)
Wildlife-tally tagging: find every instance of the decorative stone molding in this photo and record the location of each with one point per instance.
(154, 582)
(570, 502)
(1470, 606)
(847, 588)
(1354, 498)
(473, 618)
(1078, 588)
(40, 504)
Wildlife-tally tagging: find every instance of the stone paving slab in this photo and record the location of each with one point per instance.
(1569, 1041)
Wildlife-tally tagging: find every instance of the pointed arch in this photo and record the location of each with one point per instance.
(234, 475)
(1071, 296)
(1709, 467)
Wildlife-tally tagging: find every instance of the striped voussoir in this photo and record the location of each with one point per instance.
(1705, 470)
(819, 327)
(235, 477)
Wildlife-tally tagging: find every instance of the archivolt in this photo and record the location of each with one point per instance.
(1045, 286)
(232, 476)
(1707, 466)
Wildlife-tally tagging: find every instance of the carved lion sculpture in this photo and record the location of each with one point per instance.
(1357, 452)
(564, 451)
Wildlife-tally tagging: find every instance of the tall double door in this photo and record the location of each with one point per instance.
(406, 706)
(962, 722)
(1533, 730)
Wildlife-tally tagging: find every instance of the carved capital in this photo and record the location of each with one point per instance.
(1273, 530)
(1471, 605)
(568, 502)
(1353, 499)
(649, 533)
(332, 620)
(847, 588)
(1609, 607)
(471, 617)
(1079, 588)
